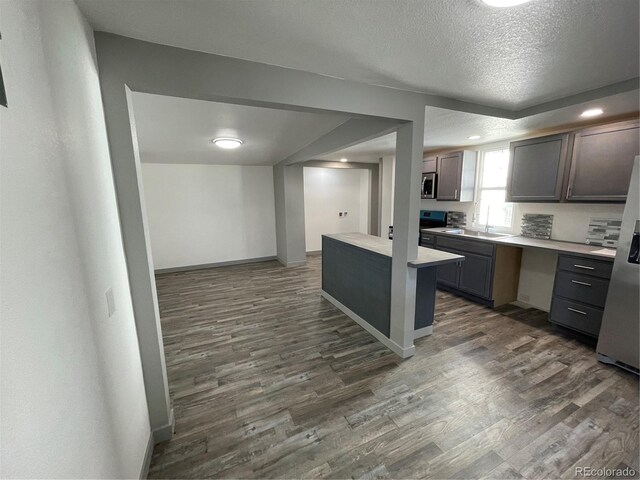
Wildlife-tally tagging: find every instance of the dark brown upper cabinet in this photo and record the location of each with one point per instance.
(457, 176)
(602, 161)
(429, 164)
(536, 169)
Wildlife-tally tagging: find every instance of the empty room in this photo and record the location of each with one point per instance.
(320, 239)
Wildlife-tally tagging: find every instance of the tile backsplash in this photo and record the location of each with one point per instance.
(537, 225)
(456, 219)
(570, 220)
(604, 231)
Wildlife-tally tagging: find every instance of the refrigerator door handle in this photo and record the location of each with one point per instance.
(634, 250)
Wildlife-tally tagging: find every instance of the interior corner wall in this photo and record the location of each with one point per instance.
(72, 398)
(289, 204)
(387, 182)
(329, 191)
(374, 203)
(204, 214)
(365, 201)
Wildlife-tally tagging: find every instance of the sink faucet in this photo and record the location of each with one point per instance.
(487, 227)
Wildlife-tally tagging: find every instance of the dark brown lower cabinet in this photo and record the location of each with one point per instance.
(488, 275)
(449, 274)
(476, 274)
(579, 293)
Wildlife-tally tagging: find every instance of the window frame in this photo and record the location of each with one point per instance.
(478, 188)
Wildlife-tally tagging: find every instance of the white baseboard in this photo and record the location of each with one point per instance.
(165, 432)
(393, 346)
(423, 332)
(291, 264)
(203, 266)
(146, 462)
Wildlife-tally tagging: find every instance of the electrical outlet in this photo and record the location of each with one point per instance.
(339, 214)
(111, 302)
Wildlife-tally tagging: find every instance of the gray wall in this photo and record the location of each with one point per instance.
(72, 393)
(288, 183)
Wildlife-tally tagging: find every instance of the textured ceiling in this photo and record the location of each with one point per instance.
(447, 128)
(510, 58)
(179, 130)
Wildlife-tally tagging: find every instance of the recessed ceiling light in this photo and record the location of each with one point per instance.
(504, 3)
(227, 143)
(474, 137)
(592, 112)
(344, 160)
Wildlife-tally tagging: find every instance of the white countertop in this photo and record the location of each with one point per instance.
(583, 249)
(427, 257)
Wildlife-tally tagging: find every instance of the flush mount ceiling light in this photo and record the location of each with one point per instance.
(344, 160)
(227, 143)
(504, 3)
(474, 137)
(592, 112)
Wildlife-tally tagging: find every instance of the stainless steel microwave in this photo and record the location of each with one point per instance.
(428, 186)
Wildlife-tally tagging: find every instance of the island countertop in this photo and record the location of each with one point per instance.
(427, 257)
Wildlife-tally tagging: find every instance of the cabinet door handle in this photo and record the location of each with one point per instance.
(455, 194)
(584, 267)
(581, 283)
(576, 311)
(569, 191)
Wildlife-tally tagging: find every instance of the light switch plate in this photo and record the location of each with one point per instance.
(111, 302)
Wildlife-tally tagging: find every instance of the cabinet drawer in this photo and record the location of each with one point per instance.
(427, 240)
(583, 265)
(471, 246)
(581, 288)
(576, 315)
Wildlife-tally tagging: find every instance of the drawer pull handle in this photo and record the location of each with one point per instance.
(581, 283)
(576, 311)
(585, 267)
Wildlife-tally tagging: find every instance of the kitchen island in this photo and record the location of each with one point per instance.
(356, 278)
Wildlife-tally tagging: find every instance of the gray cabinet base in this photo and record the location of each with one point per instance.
(358, 282)
(463, 294)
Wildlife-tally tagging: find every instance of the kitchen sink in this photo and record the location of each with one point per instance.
(475, 233)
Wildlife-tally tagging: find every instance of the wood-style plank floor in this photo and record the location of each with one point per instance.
(269, 380)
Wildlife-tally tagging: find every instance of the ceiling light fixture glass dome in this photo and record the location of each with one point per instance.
(227, 143)
(592, 112)
(504, 3)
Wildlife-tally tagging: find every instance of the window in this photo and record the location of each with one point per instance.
(491, 208)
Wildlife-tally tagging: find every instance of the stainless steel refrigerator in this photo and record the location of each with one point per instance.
(619, 340)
